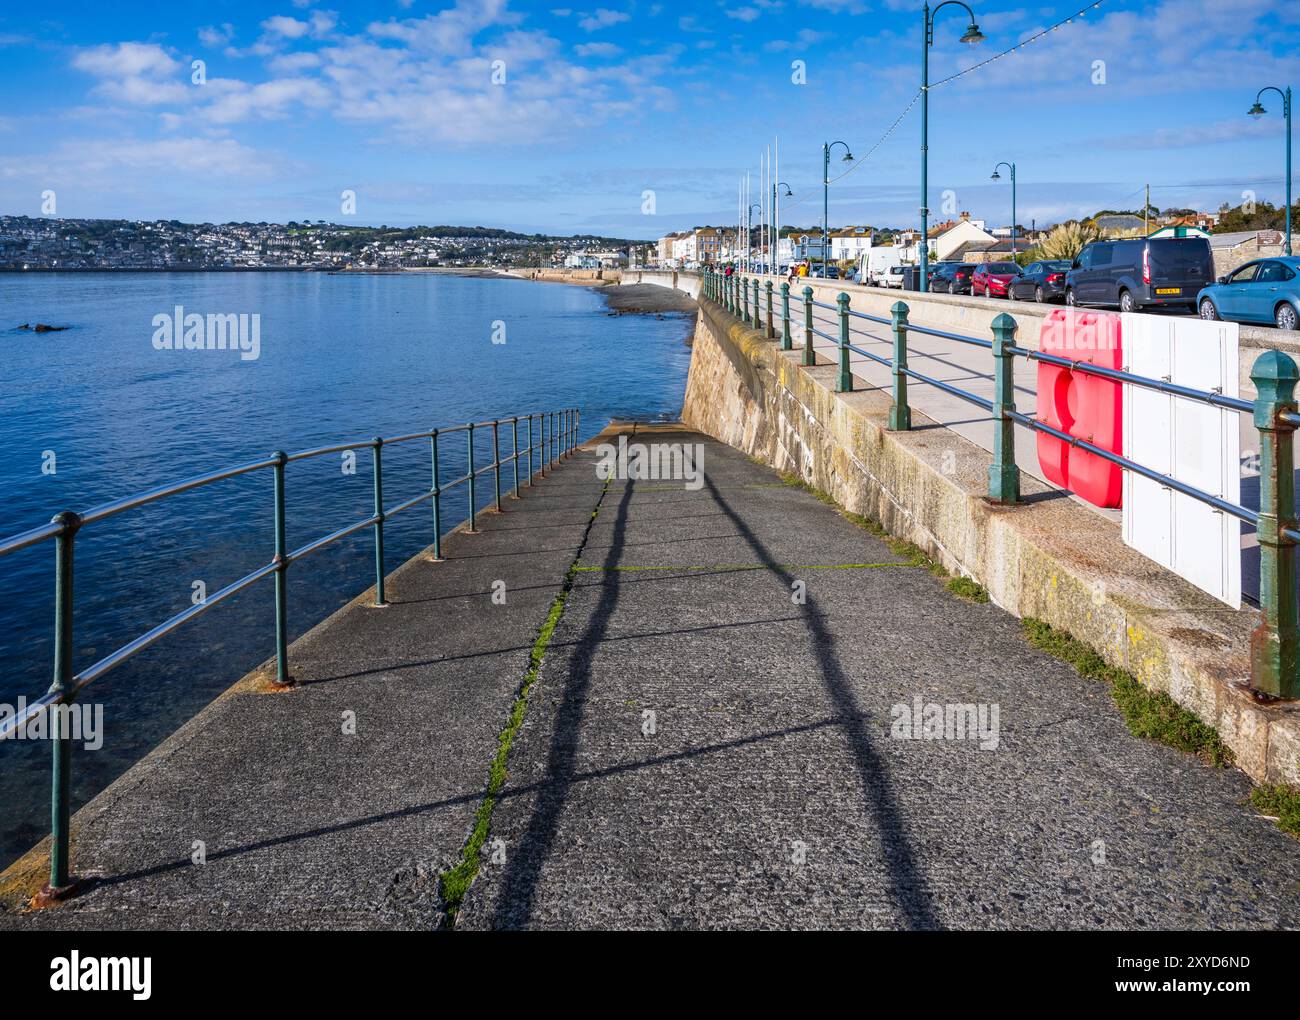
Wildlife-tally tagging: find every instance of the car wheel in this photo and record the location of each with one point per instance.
(1070, 299)
(1038, 295)
(1208, 311)
(952, 288)
(1011, 294)
(1286, 317)
(1126, 301)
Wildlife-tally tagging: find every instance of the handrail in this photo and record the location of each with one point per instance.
(559, 429)
(1275, 414)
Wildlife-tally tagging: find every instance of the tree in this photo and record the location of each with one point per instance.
(1067, 240)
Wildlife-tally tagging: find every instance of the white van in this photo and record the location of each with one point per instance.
(875, 264)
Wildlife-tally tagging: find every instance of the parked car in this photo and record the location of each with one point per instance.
(991, 278)
(1267, 290)
(952, 278)
(1040, 281)
(1164, 271)
(940, 274)
(828, 272)
(893, 278)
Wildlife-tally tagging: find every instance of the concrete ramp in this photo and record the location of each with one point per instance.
(712, 740)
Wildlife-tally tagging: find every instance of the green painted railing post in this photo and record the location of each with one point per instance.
(900, 414)
(531, 445)
(281, 578)
(771, 332)
(1004, 476)
(809, 358)
(1273, 656)
(514, 450)
(61, 739)
(469, 452)
(553, 439)
(744, 300)
(379, 523)
(496, 459)
(846, 377)
(755, 321)
(786, 342)
(437, 496)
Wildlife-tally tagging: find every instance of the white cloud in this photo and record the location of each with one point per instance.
(176, 157)
(597, 49)
(290, 28)
(744, 13)
(213, 36)
(133, 73)
(125, 60)
(602, 17)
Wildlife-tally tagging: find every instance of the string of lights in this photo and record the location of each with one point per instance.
(1018, 46)
(889, 131)
(974, 67)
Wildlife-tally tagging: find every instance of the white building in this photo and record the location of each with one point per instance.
(685, 250)
(849, 243)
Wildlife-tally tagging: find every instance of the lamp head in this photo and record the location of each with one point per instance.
(996, 176)
(789, 193)
(1256, 110)
(848, 156)
(973, 35)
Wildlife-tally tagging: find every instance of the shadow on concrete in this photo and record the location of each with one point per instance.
(515, 906)
(907, 882)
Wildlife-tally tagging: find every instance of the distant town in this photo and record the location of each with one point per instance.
(37, 244)
(45, 244)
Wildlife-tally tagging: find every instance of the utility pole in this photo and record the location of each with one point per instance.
(1146, 211)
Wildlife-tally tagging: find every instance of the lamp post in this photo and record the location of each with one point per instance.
(1258, 111)
(972, 36)
(997, 177)
(826, 190)
(776, 227)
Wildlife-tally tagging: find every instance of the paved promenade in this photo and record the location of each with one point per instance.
(701, 749)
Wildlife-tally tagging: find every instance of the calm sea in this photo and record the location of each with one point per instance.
(96, 412)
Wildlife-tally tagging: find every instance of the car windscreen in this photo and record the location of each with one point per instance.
(1178, 253)
(1003, 269)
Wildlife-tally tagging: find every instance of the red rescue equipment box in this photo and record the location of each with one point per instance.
(1084, 406)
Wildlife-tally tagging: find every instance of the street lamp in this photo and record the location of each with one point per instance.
(1258, 111)
(826, 188)
(997, 177)
(775, 254)
(972, 36)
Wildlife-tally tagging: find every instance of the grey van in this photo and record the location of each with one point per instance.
(1158, 271)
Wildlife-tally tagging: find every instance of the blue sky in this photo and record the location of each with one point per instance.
(601, 102)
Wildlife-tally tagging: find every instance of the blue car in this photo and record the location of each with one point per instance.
(1267, 290)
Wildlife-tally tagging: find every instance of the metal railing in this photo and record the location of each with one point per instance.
(1275, 645)
(556, 439)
